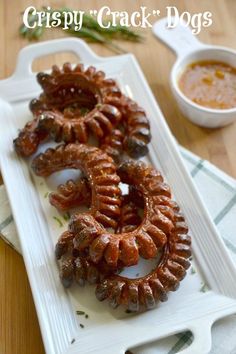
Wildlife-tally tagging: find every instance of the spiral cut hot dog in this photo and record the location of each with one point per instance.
(113, 144)
(145, 292)
(72, 89)
(76, 267)
(135, 294)
(79, 267)
(136, 123)
(77, 103)
(71, 194)
(29, 138)
(125, 247)
(151, 235)
(100, 171)
(70, 107)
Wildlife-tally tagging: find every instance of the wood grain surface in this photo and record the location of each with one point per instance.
(19, 328)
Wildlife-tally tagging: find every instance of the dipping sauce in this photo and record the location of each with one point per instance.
(210, 84)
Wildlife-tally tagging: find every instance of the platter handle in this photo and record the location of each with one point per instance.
(180, 38)
(29, 53)
(202, 339)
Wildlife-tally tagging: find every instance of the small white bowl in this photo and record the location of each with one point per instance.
(189, 50)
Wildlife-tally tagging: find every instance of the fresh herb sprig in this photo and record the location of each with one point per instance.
(90, 30)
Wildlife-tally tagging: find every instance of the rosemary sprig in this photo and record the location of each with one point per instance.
(92, 35)
(90, 30)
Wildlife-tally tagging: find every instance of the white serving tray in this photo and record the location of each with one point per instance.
(108, 331)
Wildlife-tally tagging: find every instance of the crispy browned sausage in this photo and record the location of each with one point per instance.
(77, 102)
(136, 123)
(74, 102)
(78, 267)
(70, 108)
(99, 122)
(143, 293)
(112, 144)
(100, 171)
(71, 194)
(135, 294)
(130, 218)
(147, 239)
(29, 138)
(60, 91)
(72, 89)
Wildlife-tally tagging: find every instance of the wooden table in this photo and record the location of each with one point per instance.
(19, 329)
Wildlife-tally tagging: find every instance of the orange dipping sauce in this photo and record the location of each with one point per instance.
(210, 84)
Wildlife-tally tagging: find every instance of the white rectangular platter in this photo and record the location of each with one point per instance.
(108, 331)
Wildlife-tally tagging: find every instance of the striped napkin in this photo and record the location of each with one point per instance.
(218, 191)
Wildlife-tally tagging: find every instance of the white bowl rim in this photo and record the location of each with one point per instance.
(175, 85)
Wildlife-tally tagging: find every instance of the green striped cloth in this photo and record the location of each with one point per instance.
(218, 191)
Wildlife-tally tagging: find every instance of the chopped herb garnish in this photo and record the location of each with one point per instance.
(192, 270)
(81, 325)
(204, 288)
(80, 313)
(84, 111)
(58, 220)
(137, 274)
(46, 194)
(128, 311)
(73, 341)
(66, 216)
(191, 258)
